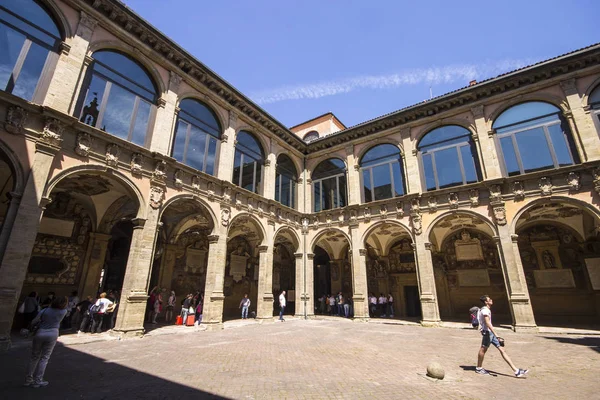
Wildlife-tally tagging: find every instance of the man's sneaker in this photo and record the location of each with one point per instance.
(521, 372)
(481, 371)
(38, 384)
(28, 382)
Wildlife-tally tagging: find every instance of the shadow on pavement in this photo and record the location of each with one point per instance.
(593, 342)
(76, 375)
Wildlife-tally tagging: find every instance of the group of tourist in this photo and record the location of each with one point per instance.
(335, 305)
(158, 302)
(382, 306)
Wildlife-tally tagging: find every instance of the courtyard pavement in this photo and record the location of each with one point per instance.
(316, 359)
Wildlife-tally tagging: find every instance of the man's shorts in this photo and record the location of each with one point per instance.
(489, 337)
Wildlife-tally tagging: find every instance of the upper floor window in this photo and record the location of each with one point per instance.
(118, 97)
(329, 185)
(29, 40)
(381, 173)
(310, 136)
(448, 157)
(248, 161)
(533, 136)
(196, 136)
(285, 181)
(594, 103)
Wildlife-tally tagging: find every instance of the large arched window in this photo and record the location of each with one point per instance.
(248, 161)
(448, 157)
(329, 185)
(118, 97)
(196, 137)
(381, 173)
(29, 42)
(594, 104)
(310, 136)
(285, 181)
(532, 137)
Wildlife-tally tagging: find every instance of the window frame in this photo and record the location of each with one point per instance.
(92, 72)
(512, 133)
(256, 188)
(594, 109)
(370, 168)
(319, 182)
(293, 182)
(180, 113)
(43, 82)
(422, 151)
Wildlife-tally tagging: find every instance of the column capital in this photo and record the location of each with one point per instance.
(138, 223)
(362, 252)
(298, 255)
(427, 246)
(310, 256)
(213, 239)
(514, 237)
(263, 248)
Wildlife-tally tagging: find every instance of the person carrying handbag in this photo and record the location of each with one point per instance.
(45, 333)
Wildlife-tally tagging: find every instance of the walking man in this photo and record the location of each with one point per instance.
(281, 306)
(489, 336)
(244, 304)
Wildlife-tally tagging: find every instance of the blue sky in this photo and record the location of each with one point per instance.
(363, 59)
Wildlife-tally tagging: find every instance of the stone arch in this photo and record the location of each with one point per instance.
(59, 17)
(128, 184)
(292, 234)
(558, 102)
(15, 167)
(586, 96)
(471, 213)
(187, 196)
(135, 55)
(376, 225)
(208, 102)
(255, 222)
(327, 231)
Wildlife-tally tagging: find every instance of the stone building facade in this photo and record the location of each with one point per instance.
(127, 164)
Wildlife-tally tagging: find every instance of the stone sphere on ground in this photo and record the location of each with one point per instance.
(435, 370)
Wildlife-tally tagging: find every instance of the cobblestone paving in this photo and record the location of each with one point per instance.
(323, 359)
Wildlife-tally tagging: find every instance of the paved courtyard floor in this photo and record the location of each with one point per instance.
(315, 359)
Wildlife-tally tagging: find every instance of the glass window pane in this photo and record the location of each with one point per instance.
(140, 128)
(209, 168)
(534, 151)
(258, 177)
(293, 194)
(248, 174)
(277, 187)
(119, 109)
(32, 12)
(379, 154)
(445, 134)
(126, 67)
(237, 162)
(317, 196)
(332, 166)
(250, 145)
(398, 179)
(93, 99)
(202, 114)
(510, 157)
(179, 143)
(468, 164)
(561, 148)
(285, 190)
(196, 148)
(329, 193)
(30, 30)
(343, 200)
(428, 171)
(524, 111)
(367, 184)
(11, 44)
(382, 182)
(447, 167)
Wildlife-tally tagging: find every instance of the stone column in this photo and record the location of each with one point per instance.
(215, 278)
(514, 279)
(134, 294)
(426, 280)
(486, 146)
(70, 70)
(227, 150)
(269, 174)
(359, 276)
(98, 245)
(300, 284)
(354, 189)
(264, 306)
(164, 123)
(581, 122)
(27, 221)
(9, 220)
(411, 163)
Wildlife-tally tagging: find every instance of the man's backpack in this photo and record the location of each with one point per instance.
(95, 308)
(473, 311)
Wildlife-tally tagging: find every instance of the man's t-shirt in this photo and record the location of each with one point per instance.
(282, 300)
(483, 311)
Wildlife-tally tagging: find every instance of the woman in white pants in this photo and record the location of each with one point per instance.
(44, 340)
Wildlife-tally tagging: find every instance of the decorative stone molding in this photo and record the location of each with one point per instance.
(474, 197)
(383, 211)
(304, 226)
(367, 214)
(514, 238)
(428, 246)
(315, 222)
(210, 187)
(263, 248)
(415, 205)
(495, 193)
(212, 239)
(328, 219)
(225, 216)
(416, 221)
(399, 210)
(178, 178)
(574, 181)
(545, 184)
(112, 155)
(453, 200)
(308, 181)
(224, 138)
(227, 194)
(432, 204)
(174, 81)
(136, 163)
(518, 190)
(477, 111)
(83, 144)
(500, 215)
(356, 167)
(353, 217)
(160, 172)
(491, 133)
(267, 162)
(52, 133)
(161, 103)
(16, 117)
(362, 252)
(157, 195)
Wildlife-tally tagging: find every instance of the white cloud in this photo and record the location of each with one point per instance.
(462, 73)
